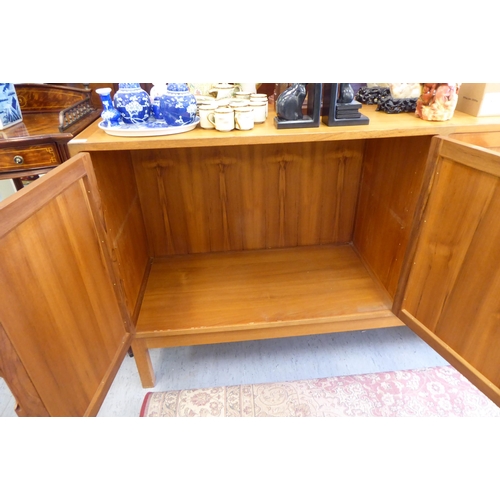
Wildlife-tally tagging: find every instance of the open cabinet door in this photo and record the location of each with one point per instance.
(449, 292)
(63, 329)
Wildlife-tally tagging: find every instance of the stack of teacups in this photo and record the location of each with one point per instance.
(240, 112)
(260, 104)
(204, 99)
(226, 118)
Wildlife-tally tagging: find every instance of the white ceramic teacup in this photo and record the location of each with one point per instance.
(204, 111)
(222, 119)
(259, 111)
(204, 99)
(242, 95)
(223, 102)
(243, 118)
(260, 98)
(239, 103)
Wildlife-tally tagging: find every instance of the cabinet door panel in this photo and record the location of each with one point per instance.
(59, 304)
(451, 291)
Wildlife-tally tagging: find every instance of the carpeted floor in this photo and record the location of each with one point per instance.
(430, 392)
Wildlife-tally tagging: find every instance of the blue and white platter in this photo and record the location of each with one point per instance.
(150, 128)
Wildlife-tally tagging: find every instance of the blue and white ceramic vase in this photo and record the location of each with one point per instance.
(178, 105)
(110, 115)
(133, 103)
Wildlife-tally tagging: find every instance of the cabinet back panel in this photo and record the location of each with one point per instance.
(214, 199)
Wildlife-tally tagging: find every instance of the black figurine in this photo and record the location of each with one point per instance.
(346, 94)
(289, 103)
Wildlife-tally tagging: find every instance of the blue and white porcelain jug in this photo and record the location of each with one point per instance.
(133, 103)
(178, 105)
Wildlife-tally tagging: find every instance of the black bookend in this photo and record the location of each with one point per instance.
(335, 112)
(289, 106)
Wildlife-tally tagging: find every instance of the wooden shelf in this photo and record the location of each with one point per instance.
(258, 294)
(381, 125)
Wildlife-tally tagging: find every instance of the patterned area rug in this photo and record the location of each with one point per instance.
(430, 392)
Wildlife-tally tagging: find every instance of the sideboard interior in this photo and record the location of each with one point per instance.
(218, 244)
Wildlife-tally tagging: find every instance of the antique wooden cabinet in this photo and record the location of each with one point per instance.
(209, 237)
(52, 115)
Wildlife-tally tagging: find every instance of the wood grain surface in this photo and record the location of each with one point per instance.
(393, 171)
(199, 200)
(219, 292)
(58, 302)
(124, 221)
(453, 286)
(39, 155)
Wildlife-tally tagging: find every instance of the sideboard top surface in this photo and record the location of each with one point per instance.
(38, 127)
(381, 125)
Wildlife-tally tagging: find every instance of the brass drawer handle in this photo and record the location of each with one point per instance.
(19, 160)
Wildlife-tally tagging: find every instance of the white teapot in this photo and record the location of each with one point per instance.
(224, 90)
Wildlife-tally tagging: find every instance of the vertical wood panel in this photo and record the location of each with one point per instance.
(392, 181)
(157, 225)
(474, 303)
(310, 181)
(249, 197)
(452, 289)
(58, 305)
(339, 188)
(27, 398)
(124, 220)
(182, 185)
(459, 203)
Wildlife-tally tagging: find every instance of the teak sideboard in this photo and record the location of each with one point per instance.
(208, 237)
